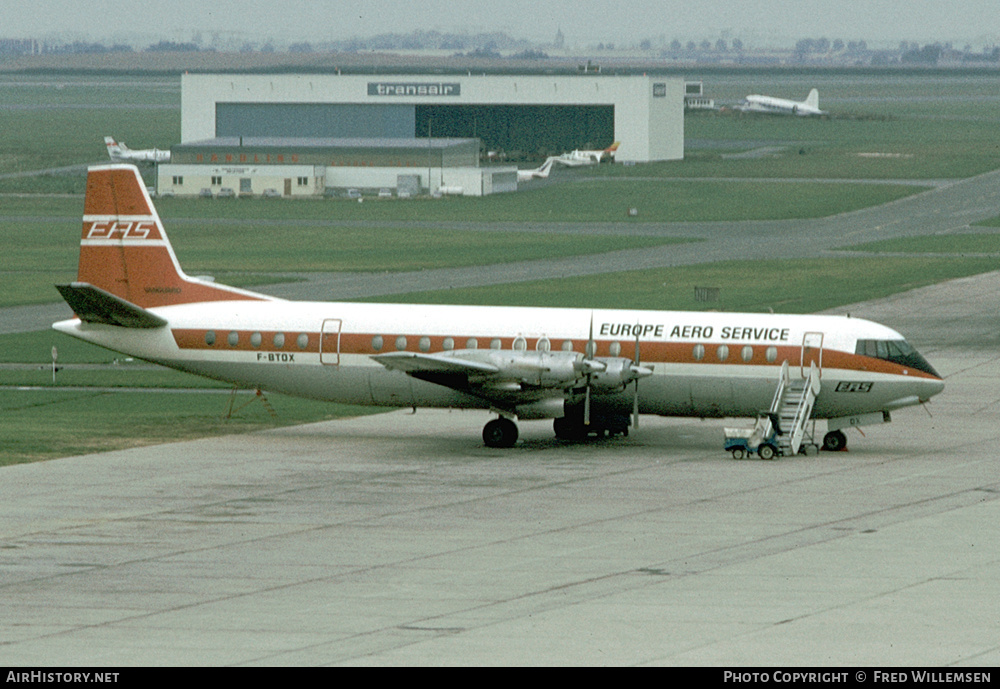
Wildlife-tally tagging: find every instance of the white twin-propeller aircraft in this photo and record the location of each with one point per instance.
(589, 370)
(783, 106)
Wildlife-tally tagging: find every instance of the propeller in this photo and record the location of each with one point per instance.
(635, 390)
(589, 357)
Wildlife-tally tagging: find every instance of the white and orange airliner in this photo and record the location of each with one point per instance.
(589, 370)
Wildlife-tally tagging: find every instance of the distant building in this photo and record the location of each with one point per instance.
(694, 97)
(410, 126)
(315, 166)
(19, 46)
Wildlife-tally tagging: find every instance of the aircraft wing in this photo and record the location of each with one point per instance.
(517, 379)
(503, 377)
(414, 363)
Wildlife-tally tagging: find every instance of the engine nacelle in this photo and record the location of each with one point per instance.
(540, 369)
(618, 373)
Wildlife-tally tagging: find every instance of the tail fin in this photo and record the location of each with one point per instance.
(114, 149)
(613, 147)
(124, 249)
(812, 100)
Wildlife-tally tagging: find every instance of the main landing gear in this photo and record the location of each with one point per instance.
(573, 429)
(500, 432)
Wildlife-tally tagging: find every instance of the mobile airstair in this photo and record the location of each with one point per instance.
(785, 426)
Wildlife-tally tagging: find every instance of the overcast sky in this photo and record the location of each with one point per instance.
(757, 22)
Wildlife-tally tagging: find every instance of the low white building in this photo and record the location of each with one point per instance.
(251, 166)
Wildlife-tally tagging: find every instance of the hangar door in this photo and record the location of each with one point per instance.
(529, 129)
(316, 120)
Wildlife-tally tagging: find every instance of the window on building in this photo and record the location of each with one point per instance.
(217, 181)
(178, 181)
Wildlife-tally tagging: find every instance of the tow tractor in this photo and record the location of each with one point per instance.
(762, 438)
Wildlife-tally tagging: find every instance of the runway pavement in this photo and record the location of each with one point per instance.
(401, 540)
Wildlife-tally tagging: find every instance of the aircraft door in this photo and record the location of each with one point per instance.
(329, 342)
(812, 353)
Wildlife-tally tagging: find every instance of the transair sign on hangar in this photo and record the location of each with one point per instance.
(397, 88)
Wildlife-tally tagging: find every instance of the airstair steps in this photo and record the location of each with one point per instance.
(793, 405)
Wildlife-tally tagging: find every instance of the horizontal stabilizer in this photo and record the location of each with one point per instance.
(94, 305)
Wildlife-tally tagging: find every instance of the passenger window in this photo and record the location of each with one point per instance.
(699, 352)
(747, 353)
(722, 353)
(210, 338)
(495, 343)
(472, 343)
(234, 338)
(401, 342)
(302, 341)
(520, 344)
(377, 343)
(279, 340)
(448, 344)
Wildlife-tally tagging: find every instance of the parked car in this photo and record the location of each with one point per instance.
(205, 193)
(271, 194)
(226, 193)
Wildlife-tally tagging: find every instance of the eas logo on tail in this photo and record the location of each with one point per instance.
(122, 230)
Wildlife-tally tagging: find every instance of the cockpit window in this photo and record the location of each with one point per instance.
(897, 351)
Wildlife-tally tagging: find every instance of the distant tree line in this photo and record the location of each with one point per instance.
(498, 44)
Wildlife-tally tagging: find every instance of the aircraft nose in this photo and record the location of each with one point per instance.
(930, 388)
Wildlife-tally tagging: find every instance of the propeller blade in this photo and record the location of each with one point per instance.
(635, 404)
(588, 357)
(591, 345)
(635, 390)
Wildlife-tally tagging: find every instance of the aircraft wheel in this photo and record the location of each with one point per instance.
(834, 441)
(767, 452)
(500, 433)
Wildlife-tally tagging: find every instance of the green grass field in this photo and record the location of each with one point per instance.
(813, 285)
(45, 424)
(895, 127)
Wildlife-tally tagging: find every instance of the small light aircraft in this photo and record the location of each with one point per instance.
(590, 371)
(781, 106)
(579, 157)
(540, 172)
(120, 153)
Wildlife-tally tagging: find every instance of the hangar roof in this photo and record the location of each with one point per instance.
(314, 143)
(393, 152)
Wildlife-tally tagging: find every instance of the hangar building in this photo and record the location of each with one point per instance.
(330, 131)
